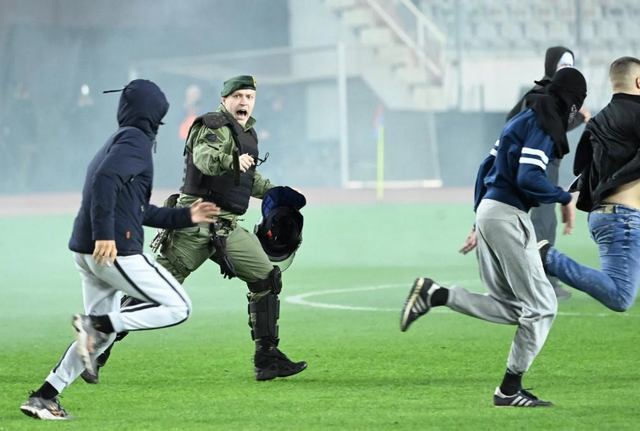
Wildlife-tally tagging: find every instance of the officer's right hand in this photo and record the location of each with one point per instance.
(204, 212)
(246, 161)
(105, 252)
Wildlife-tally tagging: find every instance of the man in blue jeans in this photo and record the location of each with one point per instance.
(608, 164)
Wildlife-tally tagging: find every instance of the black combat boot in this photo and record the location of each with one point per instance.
(270, 362)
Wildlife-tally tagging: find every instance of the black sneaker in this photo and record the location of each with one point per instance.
(91, 378)
(87, 338)
(418, 302)
(522, 398)
(101, 361)
(543, 249)
(271, 363)
(45, 409)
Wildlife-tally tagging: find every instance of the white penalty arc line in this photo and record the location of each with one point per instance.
(303, 300)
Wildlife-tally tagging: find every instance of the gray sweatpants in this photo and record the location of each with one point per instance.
(518, 290)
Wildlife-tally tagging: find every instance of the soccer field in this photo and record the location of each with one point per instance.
(340, 311)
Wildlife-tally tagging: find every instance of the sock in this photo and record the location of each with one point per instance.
(102, 323)
(439, 297)
(511, 383)
(46, 391)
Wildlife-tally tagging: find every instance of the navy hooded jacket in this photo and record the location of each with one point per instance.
(117, 188)
(514, 172)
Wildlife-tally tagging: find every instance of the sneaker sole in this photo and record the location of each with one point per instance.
(267, 374)
(43, 414)
(82, 346)
(530, 406)
(411, 300)
(523, 407)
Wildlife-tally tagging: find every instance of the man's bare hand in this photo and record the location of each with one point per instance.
(105, 252)
(246, 161)
(204, 212)
(568, 217)
(470, 243)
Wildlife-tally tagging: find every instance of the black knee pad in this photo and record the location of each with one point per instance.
(273, 282)
(263, 316)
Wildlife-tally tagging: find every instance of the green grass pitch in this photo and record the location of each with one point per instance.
(363, 372)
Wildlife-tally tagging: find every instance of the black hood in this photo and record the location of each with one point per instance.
(570, 87)
(142, 105)
(551, 59)
(562, 98)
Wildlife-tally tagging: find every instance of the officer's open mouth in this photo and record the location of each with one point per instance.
(242, 113)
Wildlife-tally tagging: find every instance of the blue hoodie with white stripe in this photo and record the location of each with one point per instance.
(115, 197)
(514, 173)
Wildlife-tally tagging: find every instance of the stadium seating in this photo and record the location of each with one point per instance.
(533, 25)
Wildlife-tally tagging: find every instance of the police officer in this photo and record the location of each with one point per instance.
(221, 155)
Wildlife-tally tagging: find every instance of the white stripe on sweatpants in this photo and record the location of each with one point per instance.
(102, 287)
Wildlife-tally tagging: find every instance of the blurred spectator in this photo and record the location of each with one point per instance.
(83, 139)
(192, 98)
(19, 136)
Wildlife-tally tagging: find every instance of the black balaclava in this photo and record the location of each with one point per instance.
(562, 99)
(551, 59)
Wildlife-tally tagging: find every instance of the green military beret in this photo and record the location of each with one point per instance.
(236, 83)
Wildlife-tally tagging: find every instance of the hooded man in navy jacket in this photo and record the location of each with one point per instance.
(511, 181)
(107, 242)
(543, 216)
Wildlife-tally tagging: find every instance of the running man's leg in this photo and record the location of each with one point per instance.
(99, 298)
(618, 238)
(165, 301)
(511, 239)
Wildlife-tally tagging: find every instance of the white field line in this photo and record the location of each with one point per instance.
(303, 300)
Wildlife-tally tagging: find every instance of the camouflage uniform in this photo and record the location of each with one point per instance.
(210, 152)
(189, 248)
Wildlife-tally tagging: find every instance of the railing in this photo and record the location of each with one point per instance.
(415, 30)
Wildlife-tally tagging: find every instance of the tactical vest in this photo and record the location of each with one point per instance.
(231, 190)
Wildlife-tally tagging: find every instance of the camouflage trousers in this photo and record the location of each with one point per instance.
(188, 248)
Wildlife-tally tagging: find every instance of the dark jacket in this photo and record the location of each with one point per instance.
(117, 188)
(514, 172)
(608, 154)
(551, 59)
